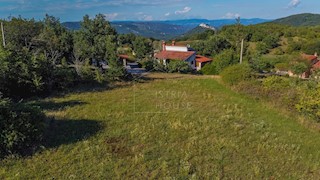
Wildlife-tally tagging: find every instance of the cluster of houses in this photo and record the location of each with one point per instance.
(186, 54)
(170, 53)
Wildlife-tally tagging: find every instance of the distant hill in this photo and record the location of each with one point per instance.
(166, 29)
(198, 30)
(218, 23)
(306, 19)
(153, 29)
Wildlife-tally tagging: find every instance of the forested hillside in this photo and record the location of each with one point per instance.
(306, 19)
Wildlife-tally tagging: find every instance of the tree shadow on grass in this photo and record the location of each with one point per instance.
(67, 131)
(56, 106)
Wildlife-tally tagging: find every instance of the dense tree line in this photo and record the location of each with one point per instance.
(43, 56)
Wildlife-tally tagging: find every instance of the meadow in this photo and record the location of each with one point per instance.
(168, 126)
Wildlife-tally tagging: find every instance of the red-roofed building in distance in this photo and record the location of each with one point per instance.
(314, 62)
(180, 53)
(201, 61)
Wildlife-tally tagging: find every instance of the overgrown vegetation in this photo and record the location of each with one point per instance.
(234, 74)
(21, 128)
(42, 57)
(219, 134)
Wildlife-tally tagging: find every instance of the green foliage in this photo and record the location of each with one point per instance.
(311, 46)
(282, 66)
(116, 73)
(209, 69)
(276, 83)
(20, 33)
(212, 46)
(142, 47)
(86, 72)
(294, 46)
(234, 74)
(262, 48)
(271, 41)
(21, 128)
(99, 77)
(64, 78)
(299, 68)
(179, 66)
(305, 19)
(92, 41)
(309, 103)
(267, 63)
(221, 61)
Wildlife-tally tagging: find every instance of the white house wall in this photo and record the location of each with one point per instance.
(177, 48)
(192, 59)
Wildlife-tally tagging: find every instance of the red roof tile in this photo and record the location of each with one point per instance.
(316, 65)
(174, 55)
(123, 56)
(202, 59)
(309, 57)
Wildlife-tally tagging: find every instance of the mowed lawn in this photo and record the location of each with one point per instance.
(173, 126)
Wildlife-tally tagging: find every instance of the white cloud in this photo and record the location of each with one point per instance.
(144, 17)
(184, 11)
(148, 18)
(294, 3)
(231, 15)
(111, 16)
(167, 14)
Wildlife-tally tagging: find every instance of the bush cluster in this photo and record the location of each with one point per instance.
(234, 74)
(21, 128)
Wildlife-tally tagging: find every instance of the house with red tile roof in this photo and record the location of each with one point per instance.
(314, 65)
(181, 53)
(201, 61)
(126, 59)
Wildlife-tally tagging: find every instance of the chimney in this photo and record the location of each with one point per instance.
(173, 43)
(316, 54)
(163, 46)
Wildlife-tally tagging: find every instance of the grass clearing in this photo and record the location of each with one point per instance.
(176, 126)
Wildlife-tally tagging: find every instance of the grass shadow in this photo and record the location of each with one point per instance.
(56, 106)
(63, 132)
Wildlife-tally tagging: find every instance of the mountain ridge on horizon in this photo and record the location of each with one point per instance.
(168, 29)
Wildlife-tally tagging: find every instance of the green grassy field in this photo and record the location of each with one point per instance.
(179, 126)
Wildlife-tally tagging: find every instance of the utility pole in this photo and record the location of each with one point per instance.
(241, 53)
(3, 38)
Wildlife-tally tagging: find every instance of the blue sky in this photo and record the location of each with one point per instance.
(145, 10)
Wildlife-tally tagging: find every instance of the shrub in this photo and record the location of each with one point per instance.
(282, 66)
(309, 103)
(209, 69)
(179, 66)
(276, 83)
(299, 68)
(221, 61)
(262, 48)
(234, 74)
(21, 128)
(116, 73)
(152, 65)
(64, 77)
